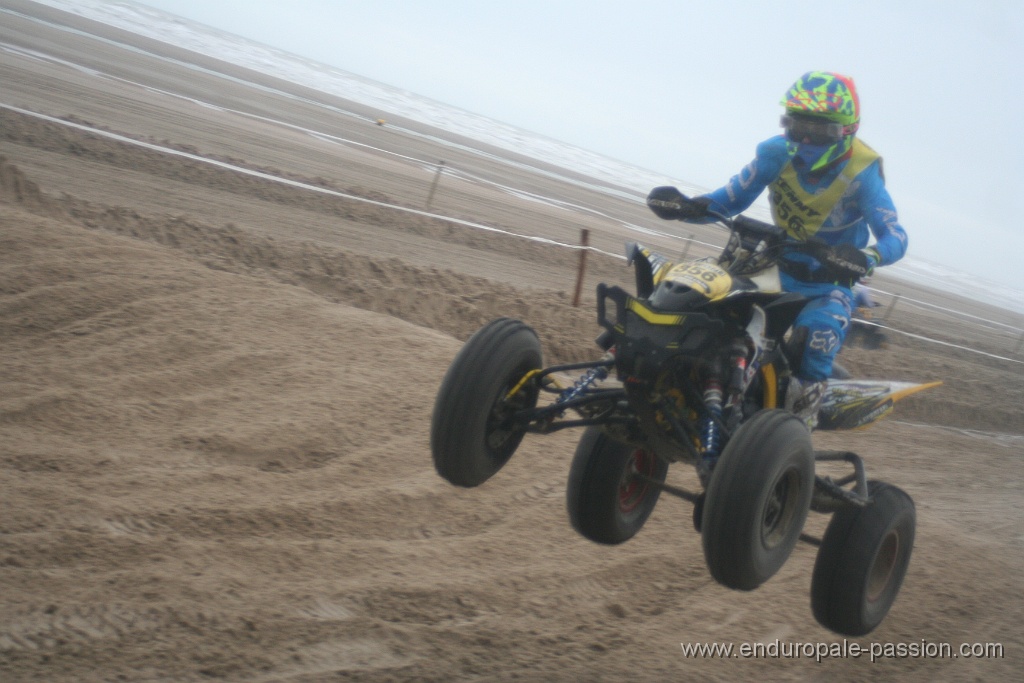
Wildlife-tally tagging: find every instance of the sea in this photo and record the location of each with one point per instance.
(631, 180)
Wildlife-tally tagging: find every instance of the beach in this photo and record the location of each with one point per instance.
(217, 391)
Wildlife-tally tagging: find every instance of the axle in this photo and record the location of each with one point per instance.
(829, 494)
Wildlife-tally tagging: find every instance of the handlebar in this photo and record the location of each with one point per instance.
(773, 244)
(753, 243)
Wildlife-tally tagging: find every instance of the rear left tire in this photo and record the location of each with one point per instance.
(606, 502)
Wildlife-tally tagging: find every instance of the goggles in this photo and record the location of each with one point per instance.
(814, 131)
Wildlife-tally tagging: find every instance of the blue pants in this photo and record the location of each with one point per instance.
(827, 319)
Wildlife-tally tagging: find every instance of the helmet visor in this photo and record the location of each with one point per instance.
(812, 131)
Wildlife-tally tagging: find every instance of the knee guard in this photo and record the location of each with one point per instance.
(821, 327)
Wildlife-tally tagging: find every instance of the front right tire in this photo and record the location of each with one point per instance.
(472, 433)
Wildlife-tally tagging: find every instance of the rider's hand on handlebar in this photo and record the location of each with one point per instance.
(874, 258)
(847, 260)
(672, 205)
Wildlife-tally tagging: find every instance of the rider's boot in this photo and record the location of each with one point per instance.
(803, 399)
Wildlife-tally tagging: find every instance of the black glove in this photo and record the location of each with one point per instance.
(669, 203)
(847, 262)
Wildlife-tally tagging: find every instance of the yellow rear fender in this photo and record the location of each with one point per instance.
(855, 404)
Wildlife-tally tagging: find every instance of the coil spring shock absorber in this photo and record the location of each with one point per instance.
(711, 436)
(593, 376)
(581, 385)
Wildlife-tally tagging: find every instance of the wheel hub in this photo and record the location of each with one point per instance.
(882, 568)
(780, 508)
(633, 489)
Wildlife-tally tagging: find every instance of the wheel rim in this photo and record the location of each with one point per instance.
(780, 508)
(633, 489)
(883, 566)
(500, 427)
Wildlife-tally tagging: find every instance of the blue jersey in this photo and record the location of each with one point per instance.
(863, 209)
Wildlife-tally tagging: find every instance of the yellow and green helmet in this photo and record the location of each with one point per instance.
(831, 97)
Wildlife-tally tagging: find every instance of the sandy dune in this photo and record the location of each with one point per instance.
(216, 396)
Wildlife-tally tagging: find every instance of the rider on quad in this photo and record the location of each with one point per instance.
(824, 184)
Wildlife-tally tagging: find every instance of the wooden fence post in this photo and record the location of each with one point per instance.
(584, 243)
(433, 185)
(686, 249)
(892, 305)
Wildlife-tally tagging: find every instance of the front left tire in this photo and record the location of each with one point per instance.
(757, 499)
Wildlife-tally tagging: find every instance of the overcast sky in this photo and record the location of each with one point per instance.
(689, 88)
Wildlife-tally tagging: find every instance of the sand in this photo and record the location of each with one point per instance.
(216, 392)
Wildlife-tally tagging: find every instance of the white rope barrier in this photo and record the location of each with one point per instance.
(936, 341)
(948, 310)
(296, 183)
(426, 214)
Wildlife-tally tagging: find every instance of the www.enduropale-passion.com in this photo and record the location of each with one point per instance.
(778, 649)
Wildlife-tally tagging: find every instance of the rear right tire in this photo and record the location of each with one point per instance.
(863, 558)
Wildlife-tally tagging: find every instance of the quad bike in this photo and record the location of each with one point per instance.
(694, 370)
